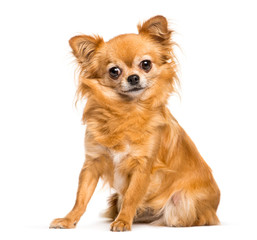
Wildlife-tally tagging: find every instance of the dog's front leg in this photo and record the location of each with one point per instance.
(88, 180)
(137, 188)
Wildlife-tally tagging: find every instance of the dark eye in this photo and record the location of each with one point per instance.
(146, 65)
(114, 72)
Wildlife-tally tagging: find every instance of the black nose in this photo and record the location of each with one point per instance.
(133, 79)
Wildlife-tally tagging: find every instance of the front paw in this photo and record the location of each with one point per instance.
(62, 223)
(120, 226)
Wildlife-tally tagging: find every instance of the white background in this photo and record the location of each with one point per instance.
(41, 136)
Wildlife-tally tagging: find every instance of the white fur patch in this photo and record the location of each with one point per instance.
(119, 179)
(118, 156)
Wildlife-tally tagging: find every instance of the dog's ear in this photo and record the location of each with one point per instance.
(84, 47)
(157, 28)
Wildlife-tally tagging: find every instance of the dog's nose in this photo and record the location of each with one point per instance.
(133, 79)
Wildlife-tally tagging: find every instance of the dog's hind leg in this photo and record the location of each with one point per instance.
(183, 210)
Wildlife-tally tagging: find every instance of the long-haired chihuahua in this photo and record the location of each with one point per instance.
(132, 141)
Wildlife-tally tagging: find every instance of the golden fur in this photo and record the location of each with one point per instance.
(132, 141)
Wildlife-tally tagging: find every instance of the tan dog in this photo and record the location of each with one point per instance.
(132, 141)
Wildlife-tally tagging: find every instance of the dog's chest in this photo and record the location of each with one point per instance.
(117, 157)
(119, 179)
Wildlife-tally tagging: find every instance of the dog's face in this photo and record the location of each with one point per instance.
(130, 64)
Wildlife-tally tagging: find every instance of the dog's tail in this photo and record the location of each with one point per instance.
(112, 210)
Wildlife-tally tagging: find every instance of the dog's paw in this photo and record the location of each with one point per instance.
(120, 226)
(62, 223)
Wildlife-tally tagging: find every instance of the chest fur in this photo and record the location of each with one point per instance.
(112, 130)
(119, 178)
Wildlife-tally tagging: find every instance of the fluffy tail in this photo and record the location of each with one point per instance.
(112, 210)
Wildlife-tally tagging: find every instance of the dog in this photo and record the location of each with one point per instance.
(132, 141)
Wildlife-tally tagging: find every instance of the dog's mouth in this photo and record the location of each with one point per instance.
(136, 89)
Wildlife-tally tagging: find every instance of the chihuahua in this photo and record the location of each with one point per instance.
(132, 141)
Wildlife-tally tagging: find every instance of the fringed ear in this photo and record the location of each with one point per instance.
(157, 28)
(84, 47)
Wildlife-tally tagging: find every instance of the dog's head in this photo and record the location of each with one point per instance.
(130, 66)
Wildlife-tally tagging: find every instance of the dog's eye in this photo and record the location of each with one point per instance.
(146, 65)
(114, 72)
